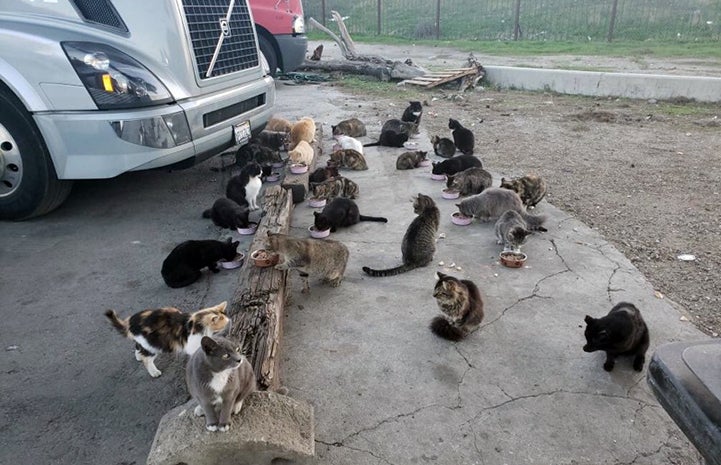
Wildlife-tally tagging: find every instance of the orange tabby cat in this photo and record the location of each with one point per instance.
(302, 153)
(304, 129)
(278, 124)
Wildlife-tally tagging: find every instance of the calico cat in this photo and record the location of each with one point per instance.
(182, 266)
(413, 112)
(243, 188)
(275, 140)
(461, 301)
(336, 187)
(349, 158)
(621, 332)
(493, 202)
(531, 189)
(395, 133)
(470, 181)
(327, 258)
(347, 143)
(352, 127)
(168, 330)
(419, 242)
(410, 160)
(226, 213)
(511, 231)
(443, 147)
(219, 378)
(302, 153)
(463, 138)
(456, 164)
(341, 213)
(321, 174)
(278, 124)
(303, 129)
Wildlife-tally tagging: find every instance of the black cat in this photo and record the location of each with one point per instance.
(339, 213)
(413, 112)
(226, 213)
(395, 133)
(182, 266)
(462, 137)
(621, 332)
(244, 187)
(322, 174)
(456, 165)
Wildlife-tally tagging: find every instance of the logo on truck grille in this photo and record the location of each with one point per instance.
(224, 27)
(224, 32)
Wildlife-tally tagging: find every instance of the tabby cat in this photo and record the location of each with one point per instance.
(168, 330)
(461, 301)
(410, 160)
(226, 213)
(352, 127)
(275, 140)
(470, 181)
(349, 158)
(219, 378)
(621, 332)
(463, 138)
(336, 187)
(244, 187)
(413, 112)
(279, 124)
(511, 231)
(456, 164)
(327, 258)
(419, 242)
(443, 147)
(321, 174)
(493, 202)
(340, 213)
(303, 129)
(182, 266)
(531, 189)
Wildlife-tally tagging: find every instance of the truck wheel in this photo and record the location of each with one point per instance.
(267, 49)
(29, 185)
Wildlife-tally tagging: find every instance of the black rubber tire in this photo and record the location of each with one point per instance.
(40, 191)
(266, 47)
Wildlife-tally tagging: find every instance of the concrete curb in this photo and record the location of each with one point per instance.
(598, 84)
(270, 426)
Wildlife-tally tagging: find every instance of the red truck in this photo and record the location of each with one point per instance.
(281, 32)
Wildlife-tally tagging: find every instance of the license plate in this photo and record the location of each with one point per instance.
(242, 132)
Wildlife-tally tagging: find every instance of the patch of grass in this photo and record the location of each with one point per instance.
(686, 109)
(375, 88)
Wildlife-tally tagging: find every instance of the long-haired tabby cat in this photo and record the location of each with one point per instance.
(413, 112)
(302, 153)
(341, 213)
(463, 138)
(226, 213)
(219, 378)
(470, 181)
(321, 174)
(621, 332)
(183, 264)
(303, 129)
(275, 140)
(277, 123)
(326, 258)
(493, 202)
(456, 164)
(243, 188)
(168, 330)
(410, 160)
(349, 158)
(531, 189)
(443, 147)
(352, 127)
(419, 242)
(336, 187)
(461, 301)
(511, 231)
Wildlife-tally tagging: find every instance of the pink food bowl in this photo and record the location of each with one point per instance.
(513, 259)
(273, 177)
(450, 194)
(460, 220)
(252, 227)
(298, 168)
(316, 203)
(318, 234)
(424, 163)
(278, 164)
(438, 177)
(234, 263)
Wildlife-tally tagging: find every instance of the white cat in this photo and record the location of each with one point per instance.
(347, 142)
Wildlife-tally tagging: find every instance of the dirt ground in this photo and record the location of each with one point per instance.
(645, 174)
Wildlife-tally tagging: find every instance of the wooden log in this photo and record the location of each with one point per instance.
(344, 33)
(398, 70)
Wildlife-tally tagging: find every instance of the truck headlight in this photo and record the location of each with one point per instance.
(298, 25)
(114, 79)
(160, 132)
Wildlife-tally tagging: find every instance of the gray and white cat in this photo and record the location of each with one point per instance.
(511, 231)
(219, 378)
(493, 202)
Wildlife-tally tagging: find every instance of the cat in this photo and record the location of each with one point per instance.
(443, 146)
(278, 124)
(275, 140)
(493, 202)
(621, 332)
(463, 138)
(245, 186)
(461, 301)
(322, 174)
(531, 189)
(303, 129)
(340, 213)
(410, 160)
(349, 158)
(511, 231)
(400, 127)
(456, 164)
(219, 378)
(327, 258)
(413, 112)
(352, 127)
(226, 213)
(336, 187)
(395, 133)
(347, 142)
(168, 330)
(302, 153)
(470, 181)
(182, 266)
(419, 242)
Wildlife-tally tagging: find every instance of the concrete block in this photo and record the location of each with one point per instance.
(269, 427)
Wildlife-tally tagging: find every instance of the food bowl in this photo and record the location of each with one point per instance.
(252, 227)
(263, 258)
(410, 144)
(318, 234)
(278, 164)
(316, 203)
(513, 259)
(450, 194)
(425, 162)
(234, 263)
(298, 168)
(272, 177)
(460, 220)
(438, 177)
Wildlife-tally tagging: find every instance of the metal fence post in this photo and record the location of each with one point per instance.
(438, 19)
(379, 17)
(612, 23)
(517, 21)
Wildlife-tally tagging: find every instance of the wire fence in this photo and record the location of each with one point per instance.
(552, 20)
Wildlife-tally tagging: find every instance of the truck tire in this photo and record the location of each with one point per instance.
(267, 49)
(29, 185)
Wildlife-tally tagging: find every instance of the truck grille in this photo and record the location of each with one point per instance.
(208, 28)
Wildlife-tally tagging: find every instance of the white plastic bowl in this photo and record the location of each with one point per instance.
(461, 220)
(232, 264)
(298, 168)
(252, 227)
(410, 144)
(438, 177)
(450, 194)
(318, 234)
(316, 203)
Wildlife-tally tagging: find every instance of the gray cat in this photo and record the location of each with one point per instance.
(511, 231)
(493, 202)
(219, 378)
(410, 160)
(470, 181)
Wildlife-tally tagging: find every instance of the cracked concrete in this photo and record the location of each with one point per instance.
(519, 389)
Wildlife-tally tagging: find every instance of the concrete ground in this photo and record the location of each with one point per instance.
(518, 390)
